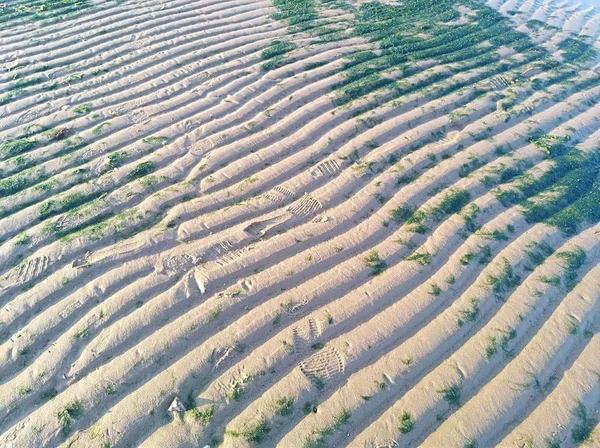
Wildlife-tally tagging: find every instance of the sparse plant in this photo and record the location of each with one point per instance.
(373, 261)
(452, 394)
(202, 415)
(553, 280)
(490, 349)
(117, 158)
(583, 429)
(69, 413)
(284, 406)
(215, 313)
(401, 214)
(469, 314)
(508, 335)
(155, 140)
(573, 327)
(465, 260)
(98, 129)
(82, 109)
(309, 407)
(25, 390)
(110, 388)
(504, 281)
(142, 169)
(81, 333)
(22, 240)
(423, 258)
(406, 423)
(435, 290)
(236, 393)
(253, 433)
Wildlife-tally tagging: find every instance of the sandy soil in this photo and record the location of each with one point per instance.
(178, 220)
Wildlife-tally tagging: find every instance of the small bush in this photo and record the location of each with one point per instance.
(284, 406)
(237, 393)
(155, 140)
(204, 416)
(435, 290)
(407, 423)
(83, 109)
(116, 159)
(469, 314)
(423, 258)
(142, 169)
(256, 433)
(401, 214)
(490, 350)
(452, 394)
(582, 431)
(17, 147)
(373, 261)
(67, 414)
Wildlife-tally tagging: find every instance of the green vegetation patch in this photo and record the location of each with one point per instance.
(572, 261)
(275, 55)
(416, 31)
(452, 394)
(69, 413)
(20, 181)
(203, 415)
(66, 204)
(253, 433)
(503, 281)
(155, 140)
(406, 423)
(576, 51)
(142, 169)
(373, 261)
(295, 11)
(20, 11)
(18, 146)
(566, 195)
(583, 429)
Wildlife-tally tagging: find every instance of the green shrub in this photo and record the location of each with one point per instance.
(142, 169)
(373, 261)
(18, 146)
(204, 416)
(67, 414)
(582, 431)
(406, 423)
(284, 406)
(423, 258)
(452, 394)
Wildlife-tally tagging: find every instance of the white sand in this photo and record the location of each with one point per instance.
(234, 274)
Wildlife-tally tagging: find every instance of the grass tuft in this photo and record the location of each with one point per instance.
(406, 423)
(373, 261)
(69, 413)
(452, 394)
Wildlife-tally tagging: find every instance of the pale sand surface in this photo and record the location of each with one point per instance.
(179, 219)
